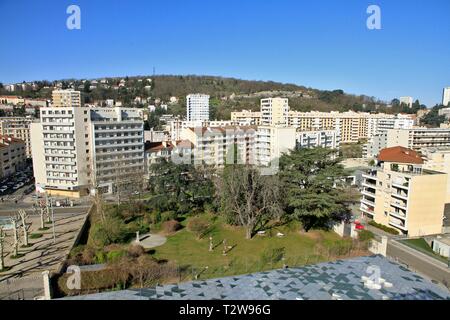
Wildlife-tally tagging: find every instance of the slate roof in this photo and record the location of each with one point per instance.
(342, 280)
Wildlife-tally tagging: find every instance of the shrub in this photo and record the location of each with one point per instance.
(365, 235)
(100, 257)
(198, 226)
(112, 230)
(383, 227)
(272, 255)
(114, 255)
(171, 226)
(135, 250)
(168, 215)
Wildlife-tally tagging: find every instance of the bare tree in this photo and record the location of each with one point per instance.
(248, 198)
(14, 222)
(2, 237)
(23, 217)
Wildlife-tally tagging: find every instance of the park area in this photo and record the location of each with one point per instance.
(198, 247)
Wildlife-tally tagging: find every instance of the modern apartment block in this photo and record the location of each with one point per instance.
(67, 98)
(353, 126)
(320, 138)
(78, 148)
(417, 138)
(375, 145)
(18, 127)
(12, 155)
(274, 111)
(117, 147)
(197, 107)
(246, 116)
(402, 194)
(216, 145)
(446, 97)
(272, 142)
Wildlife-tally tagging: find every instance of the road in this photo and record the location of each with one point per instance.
(57, 210)
(419, 262)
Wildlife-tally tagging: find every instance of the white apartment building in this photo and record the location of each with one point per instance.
(446, 96)
(406, 100)
(197, 107)
(77, 148)
(176, 126)
(320, 138)
(374, 145)
(417, 138)
(18, 127)
(272, 142)
(66, 98)
(274, 111)
(216, 145)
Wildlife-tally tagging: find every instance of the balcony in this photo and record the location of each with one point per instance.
(398, 215)
(398, 224)
(367, 210)
(399, 204)
(400, 195)
(368, 202)
(368, 192)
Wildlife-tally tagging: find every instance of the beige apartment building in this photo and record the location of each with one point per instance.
(12, 155)
(401, 193)
(274, 111)
(418, 138)
(18, 127)
(66, 98)
(246, 116)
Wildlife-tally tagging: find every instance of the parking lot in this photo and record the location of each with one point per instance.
(16, 186)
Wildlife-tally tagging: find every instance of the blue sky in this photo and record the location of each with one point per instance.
(323, 44)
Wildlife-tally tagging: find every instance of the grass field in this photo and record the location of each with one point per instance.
(245, 255)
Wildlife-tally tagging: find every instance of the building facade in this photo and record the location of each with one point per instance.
(197, 107)
(79, 149)
(401, 194)
(12, 155)
(417, 138)
(18, 127)
(66, 98)
(320, 138)
(446, 97)
(274, 112)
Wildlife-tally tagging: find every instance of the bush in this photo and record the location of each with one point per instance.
(384, 228)
(171, 226)
(135, 250)
(112, 230)
(168, 215)
(365, 235)
(272, 255)
(114, 255)
(198, 226)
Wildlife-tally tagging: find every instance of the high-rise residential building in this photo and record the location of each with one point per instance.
(18, 127)
(197, 107)
(66, 98)
(12, 155)
(406, 100)
(78, 149)
(446, 97)
(417, 138)
(274, 111)
(402, 194)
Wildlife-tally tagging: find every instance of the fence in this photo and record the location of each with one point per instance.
(26, 288)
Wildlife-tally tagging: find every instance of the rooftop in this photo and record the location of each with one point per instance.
(400, 154)
(342, 279)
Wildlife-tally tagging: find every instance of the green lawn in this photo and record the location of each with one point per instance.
(421, 245)
(245, 257)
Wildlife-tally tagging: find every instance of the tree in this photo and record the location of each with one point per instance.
(248, 198)
(23, 217)
(2, 237)
(312, 192)
(433, 118)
